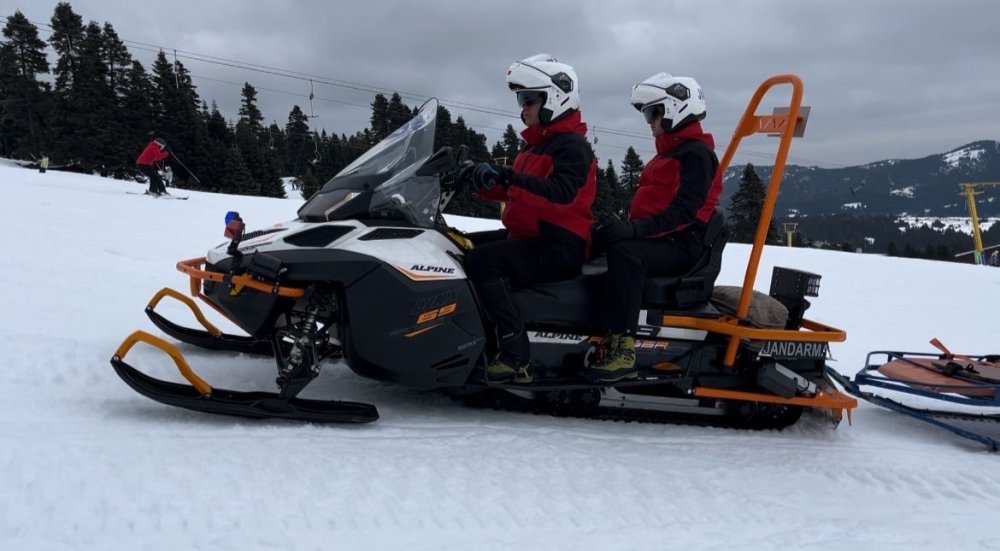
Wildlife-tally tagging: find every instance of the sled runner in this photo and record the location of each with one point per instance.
(370, 273)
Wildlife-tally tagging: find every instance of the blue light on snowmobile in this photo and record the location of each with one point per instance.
(234, 225)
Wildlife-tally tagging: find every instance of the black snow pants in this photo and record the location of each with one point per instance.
(155, 182)
(630, 261)
(497, 263)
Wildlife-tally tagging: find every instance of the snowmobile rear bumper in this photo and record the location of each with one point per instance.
(200, 396)
(830, 399)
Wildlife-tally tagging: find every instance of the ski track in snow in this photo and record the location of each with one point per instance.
(89, 464)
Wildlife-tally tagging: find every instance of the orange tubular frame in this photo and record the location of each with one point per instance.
(193, 268)
(156, 342)
(750, 124)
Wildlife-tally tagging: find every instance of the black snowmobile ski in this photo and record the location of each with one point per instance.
(211, 338)
(204, 339)
(200, 396)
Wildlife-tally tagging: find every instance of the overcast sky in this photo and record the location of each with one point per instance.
(885, 79)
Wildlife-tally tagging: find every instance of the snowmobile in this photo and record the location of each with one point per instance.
(973, 382)
(370, 273)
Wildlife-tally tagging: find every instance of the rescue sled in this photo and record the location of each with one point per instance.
(969, 381)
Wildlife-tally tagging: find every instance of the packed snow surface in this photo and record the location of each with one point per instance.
(87, 463)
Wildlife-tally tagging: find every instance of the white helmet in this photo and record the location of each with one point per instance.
(679, 99)
(542, 78)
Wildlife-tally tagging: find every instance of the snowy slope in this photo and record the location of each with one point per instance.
(86, 463)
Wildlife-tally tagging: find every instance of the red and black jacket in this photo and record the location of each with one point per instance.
(153, 152)
(680, 186)
(553, 182)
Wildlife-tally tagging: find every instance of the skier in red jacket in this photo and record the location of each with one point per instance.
(677, 195)
(155, 152)
(548, 194)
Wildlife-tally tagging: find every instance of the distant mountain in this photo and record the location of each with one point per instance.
(921, 187)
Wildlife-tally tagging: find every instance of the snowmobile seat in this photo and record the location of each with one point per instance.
(576, 302)
(695, 286)
(567, 303)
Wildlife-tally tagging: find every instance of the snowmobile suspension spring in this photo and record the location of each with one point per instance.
(303, 339)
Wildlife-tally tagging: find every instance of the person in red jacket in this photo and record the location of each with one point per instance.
(677, 194)
(547, 194)
(155, 151)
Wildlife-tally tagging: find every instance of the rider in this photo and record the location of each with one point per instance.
(677, 194)
(548, 194)
(155, 151)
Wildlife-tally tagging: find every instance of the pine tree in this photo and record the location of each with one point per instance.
(745, 208)
(512, 144)
(605, 201)
(66, 39)
(24, 100)
(136, 111)
(248, 141)
(67, 33)
(236, 178)
(631, 169)
(498, 153)
(397, 113)
(620, 202)
(300, 147)
(380, 117)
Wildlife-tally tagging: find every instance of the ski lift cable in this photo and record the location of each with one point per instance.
(287, 73)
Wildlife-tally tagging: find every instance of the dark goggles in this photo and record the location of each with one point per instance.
(527, 98)
(651, 112)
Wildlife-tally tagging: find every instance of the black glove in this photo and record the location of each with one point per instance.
(463, 177)
(610, 232)
(485, 176)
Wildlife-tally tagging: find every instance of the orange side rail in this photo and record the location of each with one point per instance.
(816, 332)
(750, 124)
(193, 268)
(831, 399)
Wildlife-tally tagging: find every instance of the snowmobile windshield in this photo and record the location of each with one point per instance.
(384, 179)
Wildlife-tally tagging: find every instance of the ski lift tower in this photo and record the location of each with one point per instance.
(789, 230)
(969, 191)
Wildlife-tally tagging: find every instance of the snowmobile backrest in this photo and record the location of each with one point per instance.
(695, 286)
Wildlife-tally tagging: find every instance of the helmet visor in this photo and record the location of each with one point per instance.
(527, 98)
(651, 112)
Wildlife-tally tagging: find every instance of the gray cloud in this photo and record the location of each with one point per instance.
(892, 78)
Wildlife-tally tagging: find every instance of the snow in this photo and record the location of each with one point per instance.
(953, 158)
(852, 206)
(89, 464)
(907, 192)
(958, 223)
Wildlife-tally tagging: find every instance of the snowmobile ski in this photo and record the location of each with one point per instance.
(211, 338)
(200, 396)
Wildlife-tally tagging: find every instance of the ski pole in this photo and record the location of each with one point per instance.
(185, 167)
